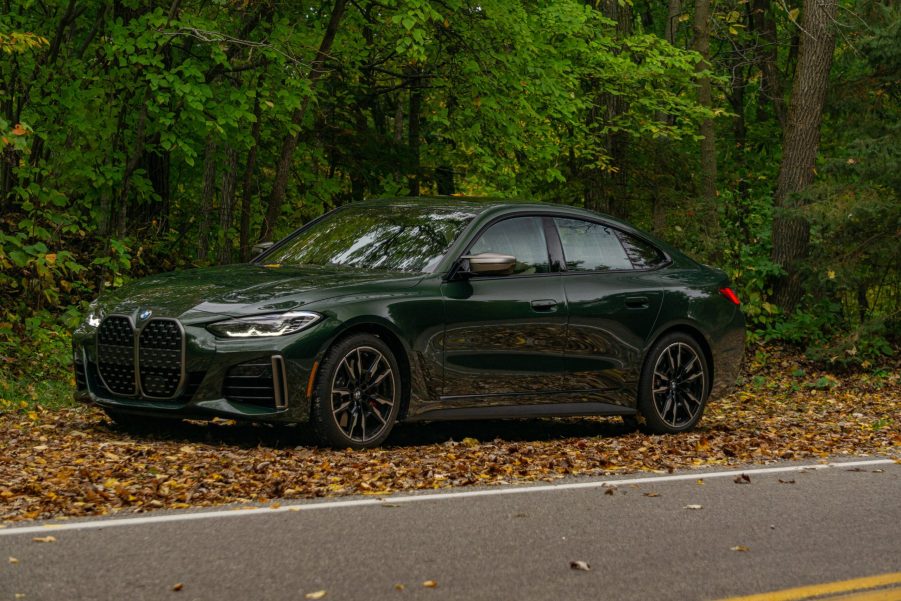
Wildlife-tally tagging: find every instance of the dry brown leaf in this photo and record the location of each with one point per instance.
(177, 586)
(579, 565)
(742, 479)
(44, 539)
(740, 548)
(399, 587)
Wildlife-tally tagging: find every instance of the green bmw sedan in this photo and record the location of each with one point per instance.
(422, 309)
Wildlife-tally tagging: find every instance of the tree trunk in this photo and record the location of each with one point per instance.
(247, 186)
(413, 132)
(289, 144)
(206, 199)
(226, 208)
(771, 81)
(705, 98)
(791, 231)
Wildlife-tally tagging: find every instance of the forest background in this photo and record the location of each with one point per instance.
(761, 136)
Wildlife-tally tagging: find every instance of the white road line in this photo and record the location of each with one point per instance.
(415, 498)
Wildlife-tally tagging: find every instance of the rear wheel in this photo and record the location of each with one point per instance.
(674, 385)
(358, 393)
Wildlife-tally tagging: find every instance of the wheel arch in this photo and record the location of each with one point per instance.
(394, 341)
(697, 334)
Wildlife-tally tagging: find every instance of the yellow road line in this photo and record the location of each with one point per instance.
(832, 588)
(890, 594)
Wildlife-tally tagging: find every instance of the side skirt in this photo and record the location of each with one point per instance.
(523, 411)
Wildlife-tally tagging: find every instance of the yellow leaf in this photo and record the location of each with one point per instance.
(315, 595)
(740, 548)
(430, 584)
(50, 258)
(44, 539)
(793, 14)
(830, 274)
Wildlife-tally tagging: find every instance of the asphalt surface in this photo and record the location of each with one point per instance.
(640, 539)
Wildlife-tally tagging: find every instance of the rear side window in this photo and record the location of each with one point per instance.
(642, 254)
(522, 237)
(590, 246)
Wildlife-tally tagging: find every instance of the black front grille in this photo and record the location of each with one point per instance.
(160, 350)
(160, 358)
(250, 383)
(116, 355)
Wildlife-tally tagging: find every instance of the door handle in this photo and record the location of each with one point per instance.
(637, 302)
(545, 305)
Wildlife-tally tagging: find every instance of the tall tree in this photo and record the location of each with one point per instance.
(289, 143)
(791, 230)
(705, 96)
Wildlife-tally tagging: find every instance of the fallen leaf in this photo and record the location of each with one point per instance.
(740, 548)
(652, 494)
(610, 490)
(399, 587)
(430, 584)
(693, 507)
(580, 565)
(44, 539)
(781, 481)
(178, 586)
(13, 560)
(742, 479)
(315, 595)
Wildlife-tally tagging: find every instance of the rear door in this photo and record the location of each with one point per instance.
(613, 296)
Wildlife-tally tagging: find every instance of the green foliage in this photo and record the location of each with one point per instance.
(136, 138)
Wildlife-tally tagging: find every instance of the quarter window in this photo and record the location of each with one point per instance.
(642, 254)
(522, 237)
(591, 246)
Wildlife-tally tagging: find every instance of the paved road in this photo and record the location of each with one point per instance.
(641, 541)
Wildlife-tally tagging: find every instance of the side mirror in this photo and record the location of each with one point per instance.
(490, 264)
(260, 248)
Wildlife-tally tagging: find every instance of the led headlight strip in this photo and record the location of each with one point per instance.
(258, 326)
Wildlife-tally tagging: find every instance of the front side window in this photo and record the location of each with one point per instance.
(522, 237)
(591, 246)
(390, 238)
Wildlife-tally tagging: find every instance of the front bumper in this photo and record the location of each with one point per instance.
(209, 365)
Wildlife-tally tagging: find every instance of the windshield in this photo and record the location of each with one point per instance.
(390, 237)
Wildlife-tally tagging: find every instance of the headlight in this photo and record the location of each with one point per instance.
(264, 325)
(94, 316)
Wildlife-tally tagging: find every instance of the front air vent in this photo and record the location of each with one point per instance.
(253, 383)
(116, 355)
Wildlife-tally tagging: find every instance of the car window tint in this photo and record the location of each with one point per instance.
(390, 238)
(642, 254)
(591, 246)
(522, 237)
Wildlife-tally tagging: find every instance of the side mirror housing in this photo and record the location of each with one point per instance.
(489, 264)
(259, 248)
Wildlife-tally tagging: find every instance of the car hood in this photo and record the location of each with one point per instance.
(246, 289)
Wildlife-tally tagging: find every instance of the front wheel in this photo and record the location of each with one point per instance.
(357, 394)
(673, 388)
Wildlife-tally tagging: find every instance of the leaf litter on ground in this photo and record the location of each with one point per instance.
(74, 462)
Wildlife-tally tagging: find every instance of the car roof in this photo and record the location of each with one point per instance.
(489, 204)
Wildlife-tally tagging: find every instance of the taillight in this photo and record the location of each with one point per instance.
(728, 293)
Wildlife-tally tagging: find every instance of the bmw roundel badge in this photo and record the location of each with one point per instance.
(145, 314)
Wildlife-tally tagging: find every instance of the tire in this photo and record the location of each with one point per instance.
(355, 407)
(674, 385)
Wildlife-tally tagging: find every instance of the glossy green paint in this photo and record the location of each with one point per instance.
(467, 346)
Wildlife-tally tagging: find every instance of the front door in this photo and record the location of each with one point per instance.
(505, 335)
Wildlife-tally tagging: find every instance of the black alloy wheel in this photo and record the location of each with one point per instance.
(358, 393)
(674, 385)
